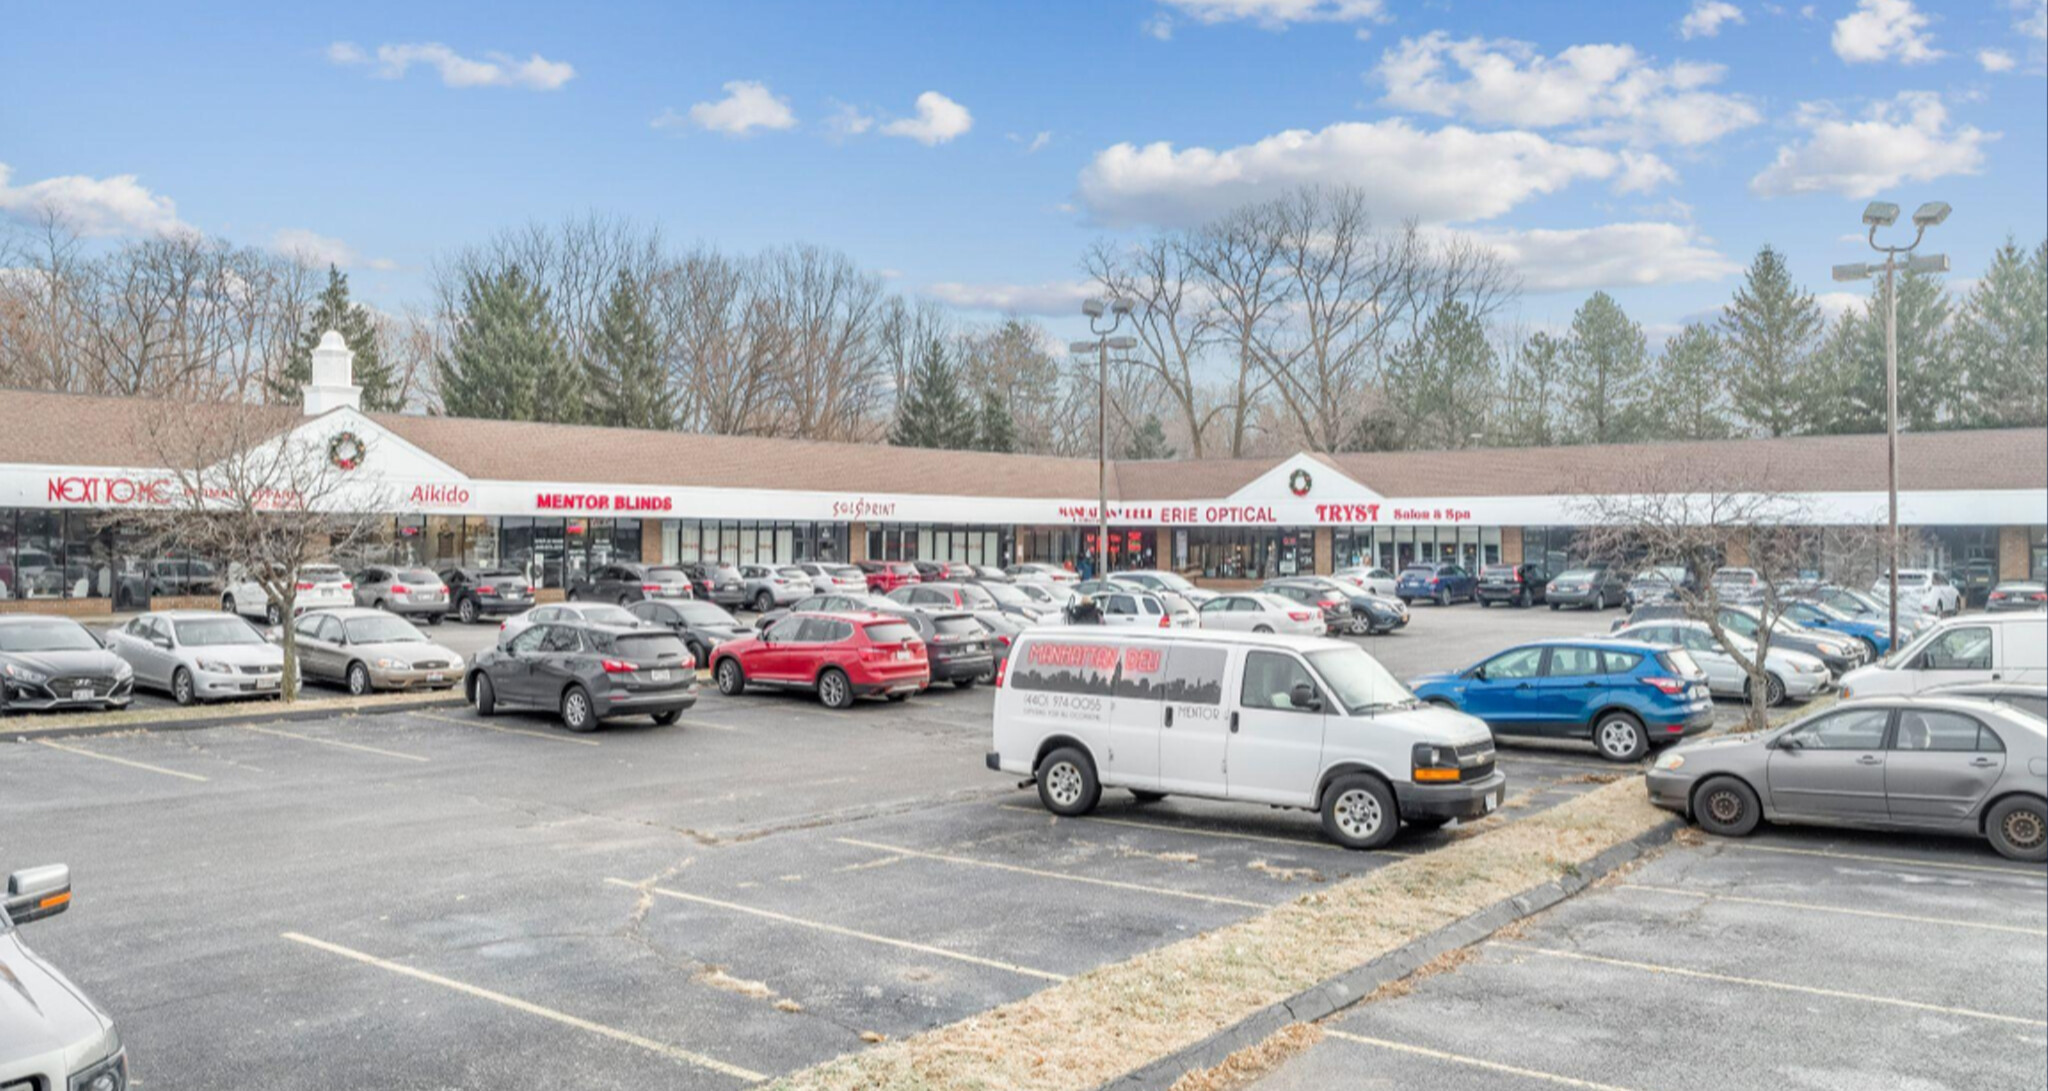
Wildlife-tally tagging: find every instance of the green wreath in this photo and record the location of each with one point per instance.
(347, 450)
(1299, 482)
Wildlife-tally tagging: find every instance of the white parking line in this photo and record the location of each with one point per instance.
(1782, 986)
(550, 736)
(2034, 873)
(1475, 1062)
(332, 742)
(1021, 870)
(848, 932)
(144, 766)
(1291, 842)
(516, 1004)
(1816, 908)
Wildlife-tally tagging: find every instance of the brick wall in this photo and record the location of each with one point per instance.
(1511, 545)
(856, 542)
(650, 541)
(1324, 561)
(2015, 556)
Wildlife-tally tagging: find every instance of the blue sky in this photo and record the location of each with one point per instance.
(1647, 148)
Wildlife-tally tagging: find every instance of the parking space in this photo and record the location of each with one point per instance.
(1797, 958)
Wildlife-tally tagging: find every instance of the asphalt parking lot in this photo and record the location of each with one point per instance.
(1793, 959)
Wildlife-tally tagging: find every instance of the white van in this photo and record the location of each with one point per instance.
(1977, 648)
(1290, 721)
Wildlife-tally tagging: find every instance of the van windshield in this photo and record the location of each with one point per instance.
(1358, 681)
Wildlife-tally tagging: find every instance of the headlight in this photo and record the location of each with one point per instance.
(1832, 649)
(387, 664)
(1670, 760)
(109, 1073)
(214, 666)
(122, 669)
(23, 674)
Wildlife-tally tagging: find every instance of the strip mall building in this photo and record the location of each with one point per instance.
(556, 500)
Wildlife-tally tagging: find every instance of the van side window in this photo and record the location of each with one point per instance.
(1269, 681)
(1959, 650)
(1194, 675)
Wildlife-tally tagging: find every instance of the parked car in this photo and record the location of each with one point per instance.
(1624, 696)
(1980, 648)
(1013, 600)
(52, 663)
(2017, 595)
(587, 673)
(52, 1038)
(1656, 585)
(368, 650)
(478, 593)
(1003, 631)
(716, 582)
(1520, 584)
(1103, 586)
(1868, 607)
(198, 656)
(1152, 579)
(945, 594)
(827, 578)
(838, 656)
(1974, 579)
(990, 573)
(957, 646)
(934, 571)
(702, 625)
(317, 587)
(1739, 586)
(2030, 698)
(594, 613)
(1298, 721)
(1812, 615)
(886, 576)
(1442, 584)
(1049, 573)
(1922, 590)
(1347, 608)
(625, 582)
(1263, 612)
(767, 586)
(412, 591)
(1591, 588)
(1925, 764)
(835, 603)
(1789, 675)
(1053, 596)
(1375, 581)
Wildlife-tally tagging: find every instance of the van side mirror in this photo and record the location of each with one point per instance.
(38, 892)
(1303, 696)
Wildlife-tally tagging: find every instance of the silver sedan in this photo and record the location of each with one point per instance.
(1951, 765)
(199, 655)
(368, 650)
(1790, 675)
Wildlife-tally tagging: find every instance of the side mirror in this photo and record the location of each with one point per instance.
(1303, 696)
(1479, 673)
(38, 892)
(163, 642)
(1791, 742)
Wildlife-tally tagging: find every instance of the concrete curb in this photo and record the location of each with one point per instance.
(1348, 988)
(23, 728)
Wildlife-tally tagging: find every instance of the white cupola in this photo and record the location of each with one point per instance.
(333, 383)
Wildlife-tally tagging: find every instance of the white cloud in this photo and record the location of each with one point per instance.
(1054, 299)
(1906, 139)
(1836, 304)
(1033, 144)
(1159, 27)
(1996, 60)
(1608, 92)
(2033, 22)
(1274, 14)
(1881, 30)
(1446, 175)
(535, 73)
(1623, 255)
(846, 120)
(1642, 172)
(1706, 17)
(312, 248)
(939, 119)
(93, 207)
(747, 105)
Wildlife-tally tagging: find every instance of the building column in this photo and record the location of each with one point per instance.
(2015, 553)
(1511, 545)
(856, 543)
(1323, 561)
(650, 541)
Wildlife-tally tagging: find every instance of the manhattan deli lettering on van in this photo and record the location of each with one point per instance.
(597, 501)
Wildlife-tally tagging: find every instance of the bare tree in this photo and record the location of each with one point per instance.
(825, 311)
(1238, 260)
(1174, 321)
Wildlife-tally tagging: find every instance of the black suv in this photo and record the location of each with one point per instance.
(702, 625)
(586, 673)
(1521, 584)
(623, 583)
(958, 646)
(480, 592)
(714, 582)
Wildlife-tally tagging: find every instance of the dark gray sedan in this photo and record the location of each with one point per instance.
(587, 673)
(1589, 587)
(702, 625)
(1953, 765)
(54, 663)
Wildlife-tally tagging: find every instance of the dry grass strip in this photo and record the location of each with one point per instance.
(254, 711)
(1097, 1026)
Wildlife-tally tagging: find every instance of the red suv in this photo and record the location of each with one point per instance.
(886, 576)
(841, 656)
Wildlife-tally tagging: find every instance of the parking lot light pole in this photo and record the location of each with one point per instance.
(1118, 310)
(1884, 214)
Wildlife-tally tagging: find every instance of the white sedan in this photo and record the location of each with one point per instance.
(1794, 675)
(1373, 581)
(1048, 573)
(1922, 590)
(318, 587)
(1259, 612)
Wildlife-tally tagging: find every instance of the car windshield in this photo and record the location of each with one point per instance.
(501, 574)
(1734, 575)
(842, 571)
(667, 575)
(213, 632)
(1825, 611)
(1358, 681)
(976, 596)
(1174, 581)
(703, 613)
(1006, 594)
(1658, 575)
(1419, 570)
(654, 647)
(793, 572)
(964, 625)
(1580, 574)
(381, 630)
(46, 636)
(891, 632)
(323, 574)
(607, 615)
(1498, 570)
(725, 572)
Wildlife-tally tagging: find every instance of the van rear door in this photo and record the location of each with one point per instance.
(1276, 746)
(1194, 741)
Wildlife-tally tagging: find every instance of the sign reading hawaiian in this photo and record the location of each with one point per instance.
(599, 501)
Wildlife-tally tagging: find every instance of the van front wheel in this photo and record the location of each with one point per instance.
(1359, 812)
(1066, 783)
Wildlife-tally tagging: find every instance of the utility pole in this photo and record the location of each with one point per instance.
(1118, 309)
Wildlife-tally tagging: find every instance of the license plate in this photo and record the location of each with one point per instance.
(658, 676)
(82, 693)
(267, 683)
(1493, 802)
(902, 656)
(436, 676)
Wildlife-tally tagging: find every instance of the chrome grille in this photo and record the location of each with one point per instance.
(430, 665)
(66, 686)
(261, 670)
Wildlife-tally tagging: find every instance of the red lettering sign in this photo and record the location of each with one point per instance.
(444, 495)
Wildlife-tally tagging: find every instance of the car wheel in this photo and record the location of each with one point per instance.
(1620, 737)
(466, 610)
(1443, 597)
(1726, 807)
(624, 599)
(1600, 601)
(1553, 605)
(1066, 783)
(834, 691)
(1869, 646)
(1361, 626)
(227, 604)
(1406, 601)
(1359, 812)
(1139, 796)
(1262, 628)
(1774, 690)
(2019, 830)
(664, 719)
(764, 602)
(181, 687)
(435, 619)
(1485, 603)
(272, 615)
(700, 656)
(965, 683)
(578, 714)
(732, 681)
(358, 680)
(483, 696)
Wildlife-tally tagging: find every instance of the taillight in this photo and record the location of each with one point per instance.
(1166, 621)
(1002, 671)
(1671, 687)
(1002, 640)
(618, 666)
(1300, 615)
(348, 585)
(2039, 596)
(400, 589)
(650, 588)
(304, 586)
(532, 590)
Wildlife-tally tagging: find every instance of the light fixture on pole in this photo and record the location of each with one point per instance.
(1118, 309)
(1884, 214)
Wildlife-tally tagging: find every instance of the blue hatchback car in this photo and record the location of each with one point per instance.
(1442, 584)
(1623, 695)
(1812, 615)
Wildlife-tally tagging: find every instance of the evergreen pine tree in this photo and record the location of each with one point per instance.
(1772, 329)
(1845, 400)
(995, 430)
(627, 387)
(933, 412)
(334, 311)
(1148, 442)
(1854, 389)
(507, 360)
(1533, 392)
(1692, 386)
(1441, 384)
(2002, 342)
(1604, 368)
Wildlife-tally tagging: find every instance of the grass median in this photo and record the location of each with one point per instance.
(1104, 1023)
(29, 725)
